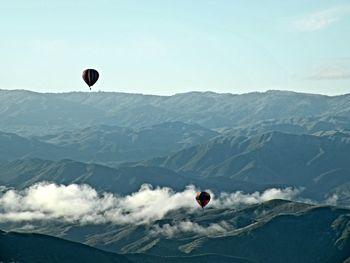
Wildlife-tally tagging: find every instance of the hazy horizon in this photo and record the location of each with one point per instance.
(169, 95)
(166, 48)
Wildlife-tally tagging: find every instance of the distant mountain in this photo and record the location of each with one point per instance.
(33, 113)
(124, 180)
(106, 144)
(319, 163)
(112, 143)
(274, 231)
(303, 125)
(226, 163)
(13, 146)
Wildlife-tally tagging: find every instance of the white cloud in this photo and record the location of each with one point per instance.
(169, 231)
(3, 188)
(332, 200)
(330, 72)
(83, 204)
(239, 198)
(320, 20)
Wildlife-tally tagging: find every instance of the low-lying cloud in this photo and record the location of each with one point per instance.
(240, 198)
(180, 228)
(82, 204)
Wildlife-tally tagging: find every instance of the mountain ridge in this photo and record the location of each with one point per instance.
(210, 110)
(297, 232)
(181, 93)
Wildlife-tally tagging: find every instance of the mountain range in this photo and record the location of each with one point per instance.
(117, 142)
(317, 163)
(49, 113)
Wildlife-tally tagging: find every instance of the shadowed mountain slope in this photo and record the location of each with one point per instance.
(37, 248)
(17, 247)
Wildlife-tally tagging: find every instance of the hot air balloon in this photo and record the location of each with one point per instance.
(202, 198)
(90, 76)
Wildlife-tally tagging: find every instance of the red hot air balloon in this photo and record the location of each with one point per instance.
(203, 198)
(90, 76)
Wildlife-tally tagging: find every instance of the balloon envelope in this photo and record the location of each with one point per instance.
(90, 76)
(203, 198)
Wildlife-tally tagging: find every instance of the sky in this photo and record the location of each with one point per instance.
(165, 47)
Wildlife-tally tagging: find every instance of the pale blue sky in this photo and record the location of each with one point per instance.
(172, 46)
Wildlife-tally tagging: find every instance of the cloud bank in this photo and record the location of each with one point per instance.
(84, 205)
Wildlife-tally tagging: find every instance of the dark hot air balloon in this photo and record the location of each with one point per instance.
(202, 198)
(90, 76)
